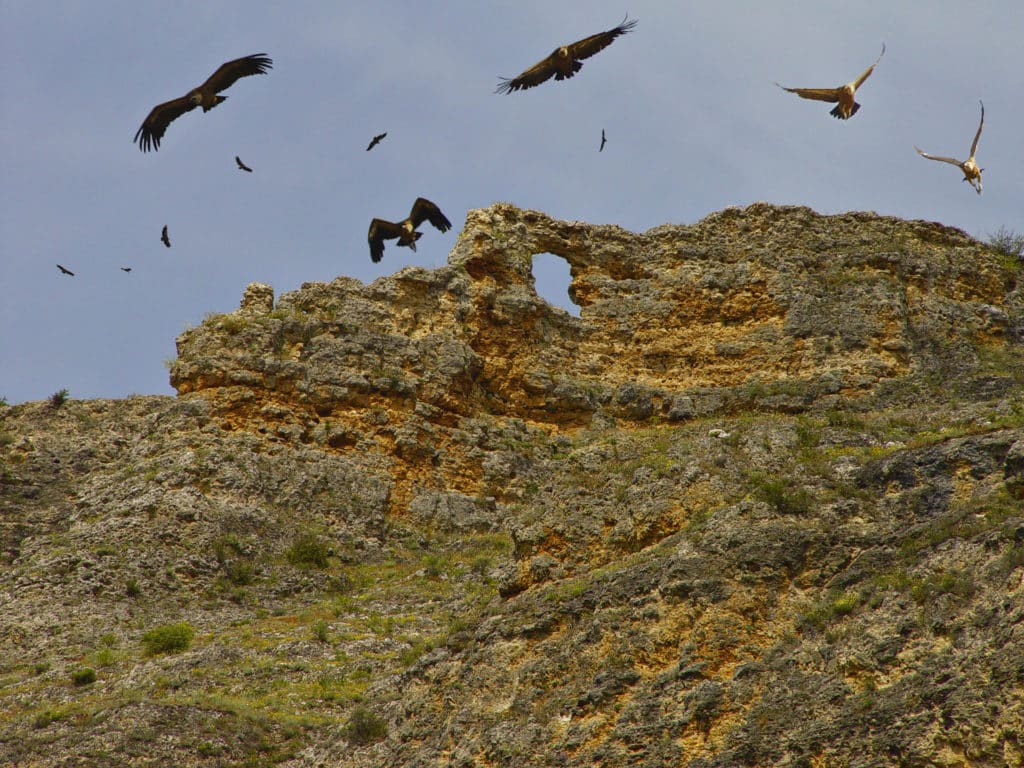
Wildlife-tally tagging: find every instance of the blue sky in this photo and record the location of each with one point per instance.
(693, 119)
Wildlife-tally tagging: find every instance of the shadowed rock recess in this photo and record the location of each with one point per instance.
(762, 503)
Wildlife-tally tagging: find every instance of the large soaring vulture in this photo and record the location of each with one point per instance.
(65, 270)
(844, 94)
(564, 61)
(242, 166)
(164, 238)
(206, 96)
(405, 231)
(972, 173)
(376, 140)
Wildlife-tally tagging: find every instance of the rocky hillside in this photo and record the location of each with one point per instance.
(762, 503)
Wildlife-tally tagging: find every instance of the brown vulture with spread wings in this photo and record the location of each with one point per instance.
(242, 166)
(565, 61)
(206, 96)
(405, 231)
(972, 173)
(847, 107)
(164, 238)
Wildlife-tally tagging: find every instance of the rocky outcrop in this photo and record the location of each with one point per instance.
(760, 504)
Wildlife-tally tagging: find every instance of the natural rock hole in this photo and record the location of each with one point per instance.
(551, 279)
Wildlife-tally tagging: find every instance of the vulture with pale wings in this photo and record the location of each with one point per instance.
(565, 61)
(846, 107)
(972, 173)
(206, 96)
(405, 231)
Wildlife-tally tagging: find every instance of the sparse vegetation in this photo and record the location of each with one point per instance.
(83, 676)
(168, 638)
(365, 726)
(1007, 242)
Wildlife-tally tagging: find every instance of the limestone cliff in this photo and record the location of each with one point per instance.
(760, 504)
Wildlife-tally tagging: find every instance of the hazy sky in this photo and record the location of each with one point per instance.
(693, 120)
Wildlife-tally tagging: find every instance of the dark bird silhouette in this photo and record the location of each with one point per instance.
(206, 96)
(376, 140)
(603, 141)
(405, 231)
(843, 94)
(242, 166)
(972, 173)
(126, 269)
(565, 61)
(65, 270)
(164, 238)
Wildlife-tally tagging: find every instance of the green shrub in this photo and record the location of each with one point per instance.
(132, 588)
(1007, 242)
(308, 551)
(365, 727)
(57, 399)
(780, 493)
(320, 631)
(83, 676)
(168, 638)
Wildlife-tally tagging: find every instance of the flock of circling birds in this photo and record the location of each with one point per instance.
(561, 64)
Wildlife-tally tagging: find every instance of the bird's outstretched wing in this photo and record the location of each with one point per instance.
(381, 230)
(588, 46)
(164, 238)
(230, 71)
(65, 270)
(152, 129)
(242, 166)
(974, 144)
(950, 160)
(867, 72)
(540, 72)
(818, 94)
(424, 210)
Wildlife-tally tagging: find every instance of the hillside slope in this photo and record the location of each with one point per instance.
(762, 503)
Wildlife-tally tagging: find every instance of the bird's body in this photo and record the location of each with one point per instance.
(376, 140)
(242, 166)
(843, 96)
(65, 270)
(206, 96)
(126, 269)
(971, 171)
(165, 238)
(565, 61)
(405, 231)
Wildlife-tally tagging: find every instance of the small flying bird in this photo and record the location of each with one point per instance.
(206, 96)
(65, 270)
(844, 94)
(376, 140)
(603, 141)
(242, 166)
(405, 231)
(126, 269)
(564, 61)
(972, 173)
(164, 238)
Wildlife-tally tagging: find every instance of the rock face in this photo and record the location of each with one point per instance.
(760, 504)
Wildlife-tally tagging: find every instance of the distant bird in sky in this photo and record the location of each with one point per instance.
(126, 269)
(376, 140)
(65, 270)
(405, 231)
(972, 173)
(603, 141)
(564, 61)
(164, 237)
(206, 96)
(844, 94)
(242, 166)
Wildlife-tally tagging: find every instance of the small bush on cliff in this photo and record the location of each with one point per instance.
(308, 551)
(168, 638)
(57, 399)
(83, 676)
(1007, 242)
(365, 726)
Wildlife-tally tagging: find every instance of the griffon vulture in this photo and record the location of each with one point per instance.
(603, 141)
(405, 231)
(565, 61)
(65, 270)
(844, 94)
(376, 140)
(126, 269)
(972, 173)
(164, 237)
(206, 96)
(242, 166)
